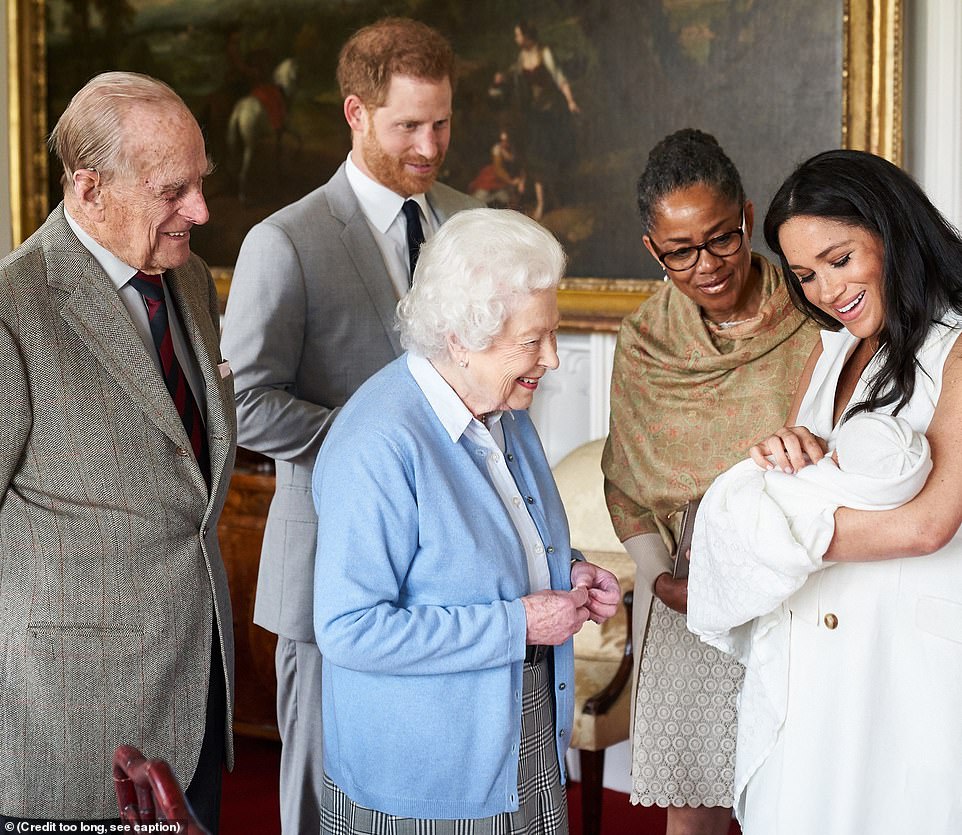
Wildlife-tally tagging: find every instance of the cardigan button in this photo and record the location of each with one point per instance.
(831, 621)
(550, 549)
(562, 686)
(509, 456)
(530, 499)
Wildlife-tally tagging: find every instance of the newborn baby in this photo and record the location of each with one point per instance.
(760, 533)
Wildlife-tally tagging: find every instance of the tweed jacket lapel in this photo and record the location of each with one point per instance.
(363, 250)
(189, 286)
(93, 310)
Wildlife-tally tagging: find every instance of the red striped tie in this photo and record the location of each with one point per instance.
(151, 287)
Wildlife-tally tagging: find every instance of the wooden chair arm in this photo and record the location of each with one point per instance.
(605, 699)
(147, 792)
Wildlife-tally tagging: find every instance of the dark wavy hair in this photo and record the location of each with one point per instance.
(686, 158)
(922, 255)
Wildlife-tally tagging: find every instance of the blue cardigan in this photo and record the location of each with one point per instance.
(417, 613)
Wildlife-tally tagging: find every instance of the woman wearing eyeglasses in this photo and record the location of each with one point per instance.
(703, 369)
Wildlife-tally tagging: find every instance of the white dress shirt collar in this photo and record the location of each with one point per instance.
(380, 205)
(118, 272)
(455, 417)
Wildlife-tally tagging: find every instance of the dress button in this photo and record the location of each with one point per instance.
(831, 621)
(530, 499)
(561, 732)
(516, 501)
(539, 548)
(551, 549)
(562, 686)
(182, 452)
(495, 457)
(509, 456)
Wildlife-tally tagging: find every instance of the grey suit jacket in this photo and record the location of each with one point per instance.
(111, 573)
(310, 317)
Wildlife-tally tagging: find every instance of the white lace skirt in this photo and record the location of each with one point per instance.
(683, 750)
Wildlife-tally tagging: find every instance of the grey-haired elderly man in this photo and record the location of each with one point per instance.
(117, 438)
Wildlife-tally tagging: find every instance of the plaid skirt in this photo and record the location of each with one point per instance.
(542, 808)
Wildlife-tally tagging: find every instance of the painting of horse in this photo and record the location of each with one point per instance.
(562, 138)
(259, 116)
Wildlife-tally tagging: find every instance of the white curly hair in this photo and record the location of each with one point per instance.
(471, 276)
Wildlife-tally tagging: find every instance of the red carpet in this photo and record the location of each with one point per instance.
(249, 804)
(250, 799)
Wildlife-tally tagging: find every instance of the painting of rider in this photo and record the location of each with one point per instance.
(556, 104)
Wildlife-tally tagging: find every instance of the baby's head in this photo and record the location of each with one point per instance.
(880, 446)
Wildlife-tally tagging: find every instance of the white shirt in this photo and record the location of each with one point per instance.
(457, 420)
(120, 274)
(382, 210)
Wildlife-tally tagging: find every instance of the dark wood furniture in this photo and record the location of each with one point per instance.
(241, 531)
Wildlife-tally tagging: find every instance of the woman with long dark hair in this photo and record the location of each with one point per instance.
(870, 738)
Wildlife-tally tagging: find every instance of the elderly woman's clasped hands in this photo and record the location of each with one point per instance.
(554, 616)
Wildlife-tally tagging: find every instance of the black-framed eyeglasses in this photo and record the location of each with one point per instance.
(721, 246)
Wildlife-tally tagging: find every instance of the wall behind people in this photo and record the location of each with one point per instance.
(932, 94)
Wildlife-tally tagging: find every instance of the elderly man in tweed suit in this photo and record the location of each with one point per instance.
(117, 438)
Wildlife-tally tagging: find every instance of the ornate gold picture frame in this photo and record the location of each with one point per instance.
(871, 119)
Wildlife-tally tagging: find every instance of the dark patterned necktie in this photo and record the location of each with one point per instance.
(151, 287)
(415, 234)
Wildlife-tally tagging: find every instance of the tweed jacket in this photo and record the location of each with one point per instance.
(309, 318)
(110, 571)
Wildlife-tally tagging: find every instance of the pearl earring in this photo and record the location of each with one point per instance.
(462, 364)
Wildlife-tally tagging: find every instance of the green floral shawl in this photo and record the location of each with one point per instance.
(688, 398)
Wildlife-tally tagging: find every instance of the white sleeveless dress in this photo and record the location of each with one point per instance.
(872, 738)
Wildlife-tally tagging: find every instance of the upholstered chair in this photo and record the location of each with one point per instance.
(603, 661)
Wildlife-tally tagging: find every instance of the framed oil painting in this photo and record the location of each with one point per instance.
(562, 138)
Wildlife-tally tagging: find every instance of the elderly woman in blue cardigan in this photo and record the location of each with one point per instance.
(446, 591)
